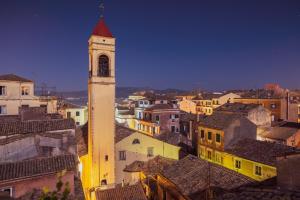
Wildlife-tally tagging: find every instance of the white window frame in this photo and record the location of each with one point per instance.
(150, 151)
(25, 90)
(5, 109)
(10, 188)
(4, 90)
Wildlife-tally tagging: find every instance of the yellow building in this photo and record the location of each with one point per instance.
(134, 146)
(239, 151)
(207, 102)
(188, 106)
(78, 113)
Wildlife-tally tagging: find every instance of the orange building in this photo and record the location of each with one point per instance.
(277, 106)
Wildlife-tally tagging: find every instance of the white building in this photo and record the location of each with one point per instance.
(16, 92)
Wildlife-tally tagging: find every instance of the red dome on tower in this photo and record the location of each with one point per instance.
(101, 29)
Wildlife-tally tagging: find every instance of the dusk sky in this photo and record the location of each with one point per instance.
(183, 44)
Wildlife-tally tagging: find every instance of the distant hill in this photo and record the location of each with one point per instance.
(80, 97)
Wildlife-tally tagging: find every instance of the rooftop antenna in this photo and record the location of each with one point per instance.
(101, 7)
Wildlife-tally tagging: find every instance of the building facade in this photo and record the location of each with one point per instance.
(17, 92)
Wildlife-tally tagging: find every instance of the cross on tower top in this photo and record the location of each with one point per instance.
(101, 7)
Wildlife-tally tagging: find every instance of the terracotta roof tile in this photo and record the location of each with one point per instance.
(13, 77)
(35, 167)
(25, 127)
(190, 175)
(259, 151)
(236, 108)
(219, 120)
(132, 192)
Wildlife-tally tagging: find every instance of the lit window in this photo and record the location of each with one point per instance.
(209, 155)
(136, 141)
(122, 155)
(258, 170)
(218, 138)
(2, 90)
(237, 164)
(202, 134)
(2, 110)
(24, 90)
(150, 151)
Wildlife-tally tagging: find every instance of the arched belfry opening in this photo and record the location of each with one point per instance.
(103, 67)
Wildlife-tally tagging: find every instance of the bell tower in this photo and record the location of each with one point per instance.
(101, 100)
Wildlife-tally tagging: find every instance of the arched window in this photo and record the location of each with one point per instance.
(103, 70)
(136, 141)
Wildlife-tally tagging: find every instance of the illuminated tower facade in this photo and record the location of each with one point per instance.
(101, 93)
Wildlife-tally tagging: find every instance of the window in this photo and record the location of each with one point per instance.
(141, 102)
(7, 191)
(202, 134)
(104, 182)
(209, 155)
(218, 138)
(106, 157)
(157, 118)
(153, 129)
(161, 102)
(258, 170)
(77, 113)
(209, 135)
(77, 123)
(2, 90)
(173, 129)
(150, 151)
(68, 115)
(24, 106)
(2, 110)
(122, 155)
(273, 105)
(24, 90)
(237, 164)
(103, 70)
(136, 141)
(218, 157)
(176, 116)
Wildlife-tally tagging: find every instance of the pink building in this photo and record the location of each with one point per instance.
(22, 177)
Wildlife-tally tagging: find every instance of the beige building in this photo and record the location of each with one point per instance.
(71, 111)
(188, 106)
(16, 92)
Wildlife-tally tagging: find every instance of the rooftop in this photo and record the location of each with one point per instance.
(132, 192)
(37, 126)
(160, 107)
(219, 120)
(190, 175)
(237, 108)
(280, 133)
(36, 167)
(259, 151)
(13, 77)
(101, 29)
(152, 166)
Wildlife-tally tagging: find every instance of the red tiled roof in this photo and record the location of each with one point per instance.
(132, 192)
(13, 77)
(102, 30)
(25, 127)
(35, 167)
